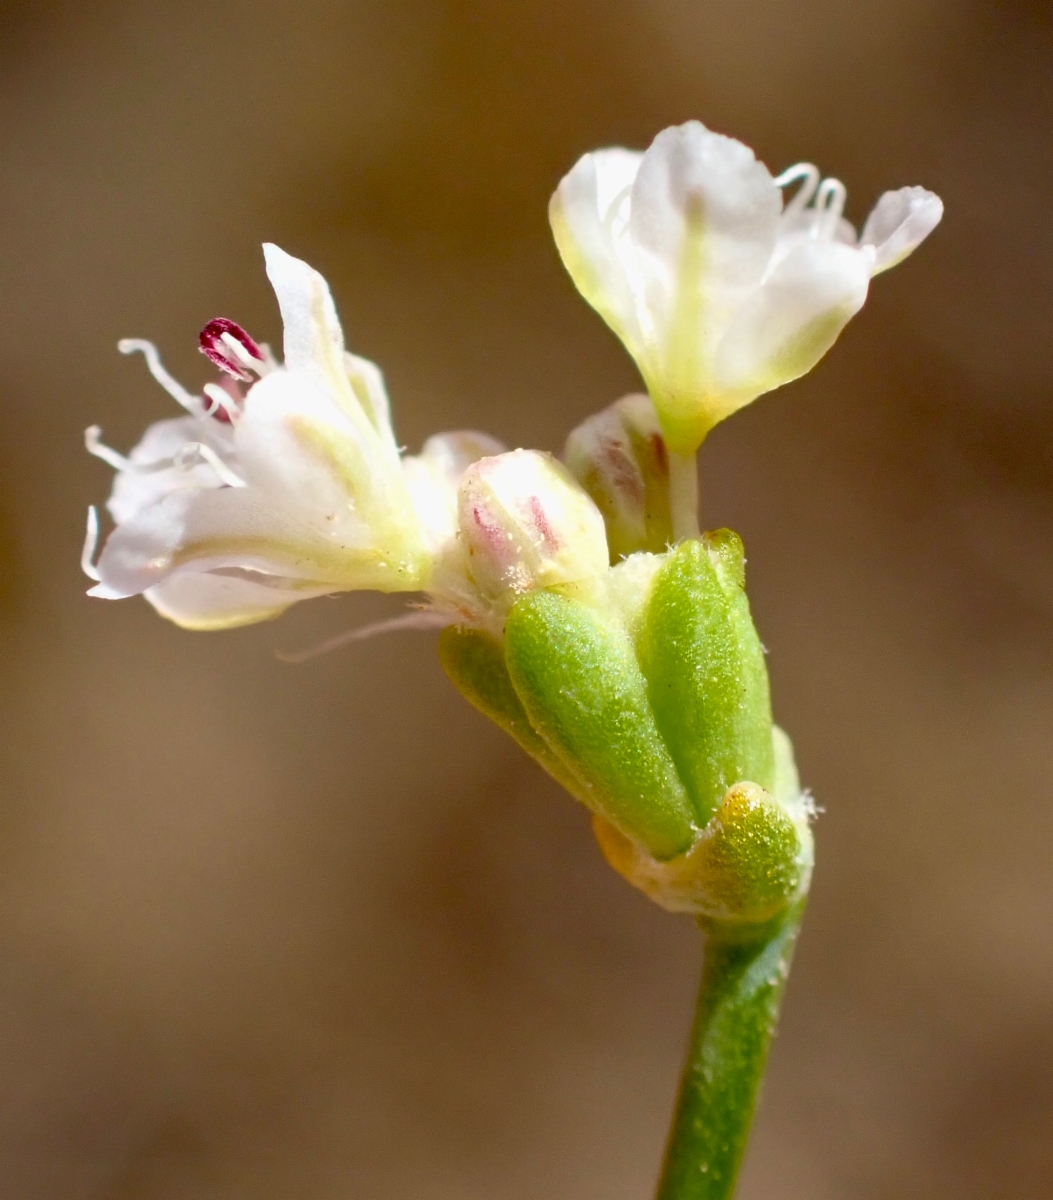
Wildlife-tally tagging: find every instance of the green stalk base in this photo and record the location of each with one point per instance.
(738, 1006)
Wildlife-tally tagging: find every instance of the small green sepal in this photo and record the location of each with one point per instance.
(707, 679)
(581, 686)
(475, 664)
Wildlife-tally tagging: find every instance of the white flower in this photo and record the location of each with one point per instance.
(718, 291)
(251, 502)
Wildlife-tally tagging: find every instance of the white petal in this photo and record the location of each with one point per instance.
(311, 458)
(279, 456)
(792, 319)
(587, 217)
(899, 223)
(134, 490)
(204, 601)
(314, 341)
(140, 551)
(703, 222)
(367, 383)
(238, 528)
(433, 476)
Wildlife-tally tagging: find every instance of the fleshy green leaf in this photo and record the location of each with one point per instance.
(707, 680)
(581, 686)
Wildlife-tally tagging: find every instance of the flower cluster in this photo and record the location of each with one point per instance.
(584, 615)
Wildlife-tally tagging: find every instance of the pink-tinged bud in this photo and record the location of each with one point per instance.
(525, 523)
(619, 456)
(226, 344)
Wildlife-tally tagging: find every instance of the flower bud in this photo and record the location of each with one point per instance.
(619, 456)
(525, 523)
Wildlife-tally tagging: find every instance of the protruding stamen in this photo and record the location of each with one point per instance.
(224, 404)
(153, 362)
(106, 453)
(91, 541)
(192, 453)
(225, 343)
(808, 174)
(830, 204)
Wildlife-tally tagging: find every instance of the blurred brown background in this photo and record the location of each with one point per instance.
(320, 932)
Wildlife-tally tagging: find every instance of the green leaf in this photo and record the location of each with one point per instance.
(707, 680)
(582, 688)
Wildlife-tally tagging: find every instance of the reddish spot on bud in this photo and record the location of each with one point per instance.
(492, 532)
(213, 346)
(661, 455)
(541, 523)
(622, 470)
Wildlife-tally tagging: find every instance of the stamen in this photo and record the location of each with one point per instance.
(425, 619)
(108, 455)
(153, 362)
(90, 544)
(185, 461)
(224, 407)
(808, 173)
(830, 204)
(225, 343)
(91, 541)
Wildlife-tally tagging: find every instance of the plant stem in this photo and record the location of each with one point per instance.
(683, 495)
(738, 1005)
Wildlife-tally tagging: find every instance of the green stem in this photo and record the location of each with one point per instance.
(738, 1005)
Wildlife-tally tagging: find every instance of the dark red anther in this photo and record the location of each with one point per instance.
(212, 345)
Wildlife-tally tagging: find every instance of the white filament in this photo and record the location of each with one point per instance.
(808, 174)
(830, 204)
(175, 389)
(106, 453)
(191, 453)
(241, 354)
(91, 541)
(221, 400)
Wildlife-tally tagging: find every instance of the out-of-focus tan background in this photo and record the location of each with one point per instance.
(319, 932)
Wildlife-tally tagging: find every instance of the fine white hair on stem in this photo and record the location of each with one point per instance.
(91, 541)
(425, 619)
(100, 450)
(156, 368)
